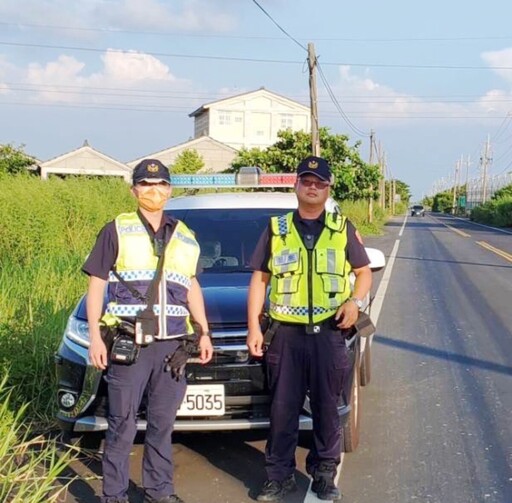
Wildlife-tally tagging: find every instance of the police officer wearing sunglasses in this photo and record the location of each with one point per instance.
(128, 254)
(305, 257)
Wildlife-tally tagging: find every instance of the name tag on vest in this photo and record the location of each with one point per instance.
(291, 258)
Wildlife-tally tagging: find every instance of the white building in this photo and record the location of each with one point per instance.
(84, 161)
(250, 119)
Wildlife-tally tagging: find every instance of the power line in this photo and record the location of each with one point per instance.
(253, 37)
(352, 126)
(150, 93)
(279, 26)
(256, 60)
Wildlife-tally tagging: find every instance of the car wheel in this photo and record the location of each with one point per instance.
(350, 432)
(366, 364)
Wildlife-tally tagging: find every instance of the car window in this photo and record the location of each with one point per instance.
(227, 237)
(417, 207)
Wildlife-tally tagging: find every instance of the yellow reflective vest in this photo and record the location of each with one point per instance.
(308, 286)
(136, 263)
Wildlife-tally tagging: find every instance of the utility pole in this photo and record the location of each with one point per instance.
(382, 182)
(393, 192)
(370, 200)
(468, 164)
(484, 161)
(313, 98)
(455, 187)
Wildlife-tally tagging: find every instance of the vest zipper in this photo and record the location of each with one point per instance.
(310, 286)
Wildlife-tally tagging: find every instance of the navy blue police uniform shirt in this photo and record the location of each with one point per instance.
(356, 253)
(104, 253)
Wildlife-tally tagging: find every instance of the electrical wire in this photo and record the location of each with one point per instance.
(345, 117)
(249, 37)
(279, 26)
(255, 60)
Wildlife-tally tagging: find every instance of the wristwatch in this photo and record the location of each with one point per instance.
(359, 302)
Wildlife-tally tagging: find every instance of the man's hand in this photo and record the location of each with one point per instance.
(98, 354)
(347, 314)
(255, 342)
(205, 349)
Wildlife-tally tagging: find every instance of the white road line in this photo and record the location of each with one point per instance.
(376, 308)
(403, 227)
(383, 285)
(311, 496)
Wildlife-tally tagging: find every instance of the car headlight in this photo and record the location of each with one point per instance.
(78, 331)
(67, 399)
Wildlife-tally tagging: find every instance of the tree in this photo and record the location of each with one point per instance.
(504, 192)
(353, 177)
(13, 160)
(187, 163)
(443, 201)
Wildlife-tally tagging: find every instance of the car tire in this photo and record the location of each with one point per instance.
(365, 372)
(351, 429)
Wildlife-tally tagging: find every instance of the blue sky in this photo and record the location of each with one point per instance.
(432, 79)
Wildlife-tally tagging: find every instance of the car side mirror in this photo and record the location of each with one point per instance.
(377, 259)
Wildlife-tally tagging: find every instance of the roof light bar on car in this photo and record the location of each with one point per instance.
(243, 179)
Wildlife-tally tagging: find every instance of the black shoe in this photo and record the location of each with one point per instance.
(173, 498)
(323, 482)
(273, 490)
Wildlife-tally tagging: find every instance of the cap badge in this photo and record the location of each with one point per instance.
(312, 164)
(152, 168)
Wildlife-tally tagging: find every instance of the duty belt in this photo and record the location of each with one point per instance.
(313, 328)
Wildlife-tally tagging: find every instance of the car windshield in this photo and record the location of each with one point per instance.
(227, 237)
(417, 207)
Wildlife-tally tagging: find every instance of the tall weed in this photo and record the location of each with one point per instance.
(47, 228)
(30, 467)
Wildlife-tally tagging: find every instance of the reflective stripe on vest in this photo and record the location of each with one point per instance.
(291, 298)
(136, 263)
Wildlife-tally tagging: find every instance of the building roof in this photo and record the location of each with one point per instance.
(261, 91)
(189, 144)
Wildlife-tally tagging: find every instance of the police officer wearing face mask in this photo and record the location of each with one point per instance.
(306, 257)
(130, 246)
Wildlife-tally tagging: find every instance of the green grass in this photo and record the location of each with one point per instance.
(47, 228)
(30, 466)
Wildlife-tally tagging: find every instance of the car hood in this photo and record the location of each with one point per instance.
(225, 297)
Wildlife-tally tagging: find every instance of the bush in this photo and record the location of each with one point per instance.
(496, 212)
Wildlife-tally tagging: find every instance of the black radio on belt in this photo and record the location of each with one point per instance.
(124, 350)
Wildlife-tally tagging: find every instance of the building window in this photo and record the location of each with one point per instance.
(286, 121)
(260, 132)
(225, 118)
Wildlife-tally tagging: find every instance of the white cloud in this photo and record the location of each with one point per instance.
(126, 78)
(157, 15)
(188, 15)
(501, 58)
(364, 99)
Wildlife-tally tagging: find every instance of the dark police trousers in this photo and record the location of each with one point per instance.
(126, 385)
(298, 362)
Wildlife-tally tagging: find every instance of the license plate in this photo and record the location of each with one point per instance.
(203, 400)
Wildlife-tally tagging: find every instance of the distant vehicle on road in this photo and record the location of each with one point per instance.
(417, 211)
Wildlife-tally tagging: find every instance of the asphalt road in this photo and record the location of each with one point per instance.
(437, 424)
